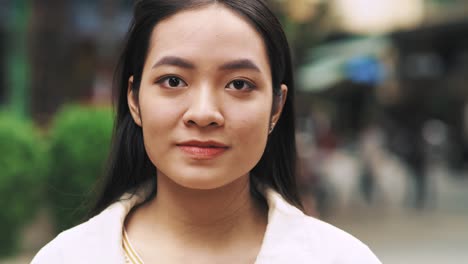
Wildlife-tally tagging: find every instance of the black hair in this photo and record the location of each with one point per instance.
(129, 166)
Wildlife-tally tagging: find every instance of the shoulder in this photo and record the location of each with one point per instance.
(59, 249)
(308, 238)
(88, 242)
(341, 246)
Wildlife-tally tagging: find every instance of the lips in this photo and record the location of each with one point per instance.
(203, 150)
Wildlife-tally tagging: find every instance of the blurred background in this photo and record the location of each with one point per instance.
(382, 110)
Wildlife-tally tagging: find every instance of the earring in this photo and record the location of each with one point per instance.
(272, 126)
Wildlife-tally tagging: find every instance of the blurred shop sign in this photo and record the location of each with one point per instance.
(377, 16)
(364, 70)
(383, 16)
(357, 60)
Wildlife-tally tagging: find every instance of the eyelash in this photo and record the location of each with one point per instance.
(250, 85)
(167, 78)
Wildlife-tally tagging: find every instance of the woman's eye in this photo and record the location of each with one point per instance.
(240, 85)
(172, 82)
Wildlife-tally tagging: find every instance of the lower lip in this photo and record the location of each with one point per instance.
(203, 153)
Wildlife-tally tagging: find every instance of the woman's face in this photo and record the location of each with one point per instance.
(205, 100)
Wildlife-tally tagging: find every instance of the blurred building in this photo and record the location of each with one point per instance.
(70, 50)
(408, 57)
(397, 65)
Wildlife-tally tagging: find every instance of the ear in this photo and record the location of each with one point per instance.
(278, 104)
(132, 101)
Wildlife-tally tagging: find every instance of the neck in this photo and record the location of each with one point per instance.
(203, 216)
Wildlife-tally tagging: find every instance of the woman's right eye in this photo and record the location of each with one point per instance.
(171, 82)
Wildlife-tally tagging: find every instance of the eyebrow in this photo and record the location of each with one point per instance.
(240, 64)
(174, 61)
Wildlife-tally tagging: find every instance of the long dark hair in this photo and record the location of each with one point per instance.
(129, 165)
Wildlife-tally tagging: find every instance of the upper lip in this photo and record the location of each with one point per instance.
(203, 144)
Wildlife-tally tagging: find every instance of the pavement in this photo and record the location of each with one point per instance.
(402, 235)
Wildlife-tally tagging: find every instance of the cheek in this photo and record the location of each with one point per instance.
(250, 129)
(157, 112)
(159, 118)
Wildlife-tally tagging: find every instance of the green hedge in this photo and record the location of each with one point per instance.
(79, 145)
(23, 164)
(63, 169)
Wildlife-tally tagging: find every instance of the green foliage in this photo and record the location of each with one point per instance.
(23, 166)
(79, 146)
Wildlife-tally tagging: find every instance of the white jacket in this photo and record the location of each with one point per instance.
(291, 237)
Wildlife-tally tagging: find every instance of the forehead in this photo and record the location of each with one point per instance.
(212, 34)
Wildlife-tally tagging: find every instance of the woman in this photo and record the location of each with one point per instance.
(202, 169)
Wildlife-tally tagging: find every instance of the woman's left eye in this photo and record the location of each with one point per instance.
(240, 85)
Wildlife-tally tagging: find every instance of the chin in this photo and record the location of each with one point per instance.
(201, 183)
(209, 181)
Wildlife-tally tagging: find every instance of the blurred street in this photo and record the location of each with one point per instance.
(399, 235)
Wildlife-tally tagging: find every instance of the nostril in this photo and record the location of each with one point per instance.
(191, 122)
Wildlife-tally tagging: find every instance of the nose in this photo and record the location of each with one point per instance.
(204, 109)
